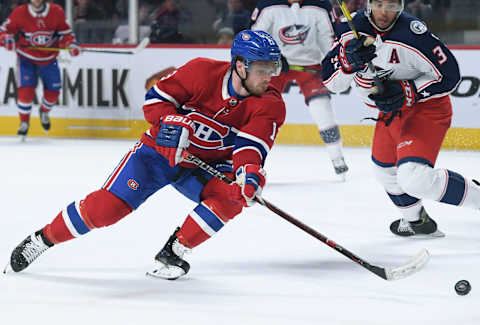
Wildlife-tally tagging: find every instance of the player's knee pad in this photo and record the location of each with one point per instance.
(215, 196)
(102, 208)
(387, 176)
(25, 96)
(223, 207)
(420, 180)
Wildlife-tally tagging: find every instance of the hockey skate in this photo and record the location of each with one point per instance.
(23, 130)
(44, 120)
(340, 167)
(425, 227)
(27, 251)
(169, 262)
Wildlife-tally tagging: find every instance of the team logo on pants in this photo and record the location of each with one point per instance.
(133, 184)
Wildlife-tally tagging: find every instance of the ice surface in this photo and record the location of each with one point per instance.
(258, 270)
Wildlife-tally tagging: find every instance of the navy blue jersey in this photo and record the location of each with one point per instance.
(408, 51)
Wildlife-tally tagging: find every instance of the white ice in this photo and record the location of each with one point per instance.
(258, 270)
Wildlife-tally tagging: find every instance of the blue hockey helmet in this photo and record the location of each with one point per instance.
(250, 46)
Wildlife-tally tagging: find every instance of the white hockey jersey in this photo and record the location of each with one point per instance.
(408, 51)
(304, 33)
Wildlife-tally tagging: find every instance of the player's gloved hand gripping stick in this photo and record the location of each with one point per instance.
(173, 137)
(387, 273)
(365, 52)
(250, 180)
(7, 41)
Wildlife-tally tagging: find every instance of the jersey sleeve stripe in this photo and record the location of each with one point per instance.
(153, 101)
(64, 32)
(236, 151)
(259, 142)
(166, 96)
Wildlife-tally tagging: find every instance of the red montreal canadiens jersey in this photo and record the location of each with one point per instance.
(226, 128)
(43, 29)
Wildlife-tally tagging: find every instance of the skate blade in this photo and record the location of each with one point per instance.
(7, 269)
(433, 235)
(342, 177)
(166, 272)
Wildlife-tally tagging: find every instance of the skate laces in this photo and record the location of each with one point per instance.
(44, 117)
(23, 126)
(404, 226)
(179, 250)
(338, 162)
(34, 248)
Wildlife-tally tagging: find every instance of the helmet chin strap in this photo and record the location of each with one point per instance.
(242, 80)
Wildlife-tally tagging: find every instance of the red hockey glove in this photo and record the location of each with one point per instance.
(397, 93)
(74, 49)
(249, 182)
(7, 41)
(69, 42)
(173, 137)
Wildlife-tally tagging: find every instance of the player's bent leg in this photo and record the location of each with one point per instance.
(49, 99)
(438, 184)
(415, 220)
(322, 113)
(99, 209)
(408, 205)
(204, 221)
(24, 101)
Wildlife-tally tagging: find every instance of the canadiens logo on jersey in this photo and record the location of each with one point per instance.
(41, 38)
(210, 134)
(294, 34)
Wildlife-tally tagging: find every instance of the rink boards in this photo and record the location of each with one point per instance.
(103, 94)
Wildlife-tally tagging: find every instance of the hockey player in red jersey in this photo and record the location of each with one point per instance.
(418, 72)
(304, 31)
(37, 24)
(226, 113)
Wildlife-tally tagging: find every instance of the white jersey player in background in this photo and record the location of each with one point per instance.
(418, 72)
(304, 31)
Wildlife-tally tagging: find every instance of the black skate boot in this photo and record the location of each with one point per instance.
(44, 120)
(23, 129)
(170, 264)
(28, 250)
(424, 227)
(340, 167)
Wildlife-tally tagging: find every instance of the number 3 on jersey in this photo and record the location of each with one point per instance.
(442, 58)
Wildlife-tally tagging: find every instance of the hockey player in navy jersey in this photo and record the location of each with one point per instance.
(304, 31)
(418, 72)
(229, 117)
(37, 24)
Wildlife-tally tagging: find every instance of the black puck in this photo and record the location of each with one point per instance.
(462, 287)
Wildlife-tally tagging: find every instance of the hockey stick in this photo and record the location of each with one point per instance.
(387, 273)
(300, 68)
(376, 80)
(142, 45)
